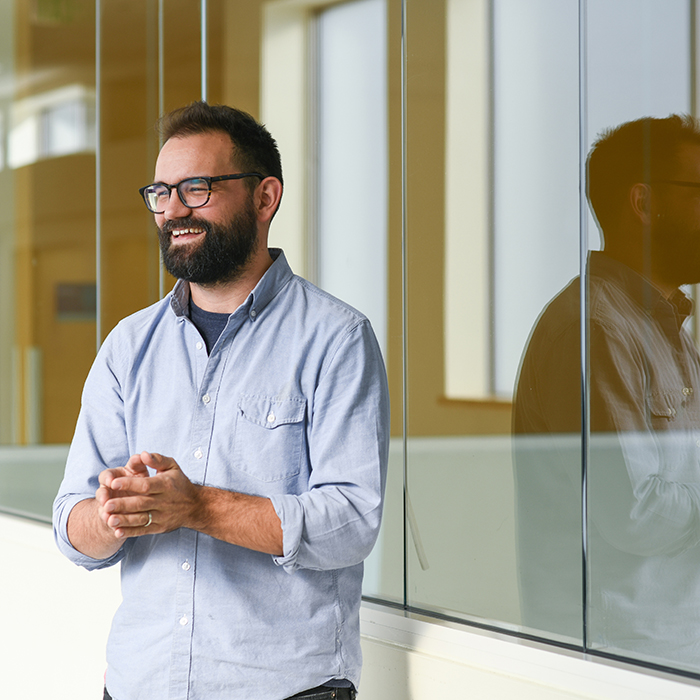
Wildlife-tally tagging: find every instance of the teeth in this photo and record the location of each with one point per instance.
(180, 232)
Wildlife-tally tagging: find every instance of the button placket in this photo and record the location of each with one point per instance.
(184, 608)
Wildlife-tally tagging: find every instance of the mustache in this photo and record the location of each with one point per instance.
(188, 222)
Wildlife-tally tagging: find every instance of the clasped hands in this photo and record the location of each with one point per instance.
(132, 503)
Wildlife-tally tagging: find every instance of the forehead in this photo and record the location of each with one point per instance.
(206, 154)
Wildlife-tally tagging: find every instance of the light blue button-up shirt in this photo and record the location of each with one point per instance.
(291, 404)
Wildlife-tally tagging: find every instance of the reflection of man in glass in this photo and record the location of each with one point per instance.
(643, 561)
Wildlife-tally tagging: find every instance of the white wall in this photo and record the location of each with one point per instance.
(56, 619)
(416, 659)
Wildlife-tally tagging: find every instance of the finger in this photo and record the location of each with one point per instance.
(159, 462)
(131, 484)
(131, 525)
(102, 495)
(135, 466)
(129, 505)
(106, 476)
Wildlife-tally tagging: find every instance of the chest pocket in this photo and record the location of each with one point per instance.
(664, 409)
(269, 440)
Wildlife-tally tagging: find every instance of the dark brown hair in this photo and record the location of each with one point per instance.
(640, 151)
(254, 149)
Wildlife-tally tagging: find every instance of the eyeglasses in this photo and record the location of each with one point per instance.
(193, 192)
(682, 183)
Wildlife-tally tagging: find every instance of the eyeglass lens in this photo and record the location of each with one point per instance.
(193, 193)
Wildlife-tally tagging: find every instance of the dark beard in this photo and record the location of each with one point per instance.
(675, 252)
(221, 257)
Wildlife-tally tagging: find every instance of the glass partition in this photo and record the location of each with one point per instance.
(566, 514)
(48, 240)
(461, 563)
(542, 360)
(643, 479)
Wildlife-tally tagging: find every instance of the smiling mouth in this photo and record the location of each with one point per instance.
(176, 233)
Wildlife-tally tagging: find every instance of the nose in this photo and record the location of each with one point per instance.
(175, 209)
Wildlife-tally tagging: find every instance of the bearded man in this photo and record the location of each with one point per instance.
(231, 447)
(639, 592)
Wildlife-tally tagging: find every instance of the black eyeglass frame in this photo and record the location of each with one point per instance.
(208, 180)
(682, 183)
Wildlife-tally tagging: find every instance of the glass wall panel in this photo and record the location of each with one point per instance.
(637, 350)
(461, 542)
(130, 53)
(537, 255)
(150, 61)
(466, 238)
(48, 303)
(77, 259)
(497, 285)
(352, 157)
(643, 478)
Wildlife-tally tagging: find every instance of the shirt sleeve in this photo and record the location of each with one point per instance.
(642, 463)
(644, 495)
(336, 522)
(99, 443)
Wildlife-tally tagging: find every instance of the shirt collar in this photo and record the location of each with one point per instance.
(646, 294)
(269, 285)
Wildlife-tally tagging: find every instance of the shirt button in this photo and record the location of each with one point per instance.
(198, 454)
(186, 566)
(183, 620)
(253, 313)
(206, 398)
(271, 418)
(199, 345)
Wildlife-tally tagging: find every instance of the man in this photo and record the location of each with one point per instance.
(643, 373)
(231, 447)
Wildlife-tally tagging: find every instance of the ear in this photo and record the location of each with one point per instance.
(640, 201)
(267, 198)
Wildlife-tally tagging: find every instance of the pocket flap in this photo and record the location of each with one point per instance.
(269, 412)
(665, 405)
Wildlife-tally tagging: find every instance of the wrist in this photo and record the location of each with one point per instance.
(197, 516)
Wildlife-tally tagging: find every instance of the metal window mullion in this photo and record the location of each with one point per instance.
(161, 109)
(203, 43)
(313, 131)
(491, 340)
(98, 174)
(583, 254)
(693, 58)
(404, 299)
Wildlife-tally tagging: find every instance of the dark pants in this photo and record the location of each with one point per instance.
(323, 692)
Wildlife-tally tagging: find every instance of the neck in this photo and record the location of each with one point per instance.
(666, 287)
(226, 297)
